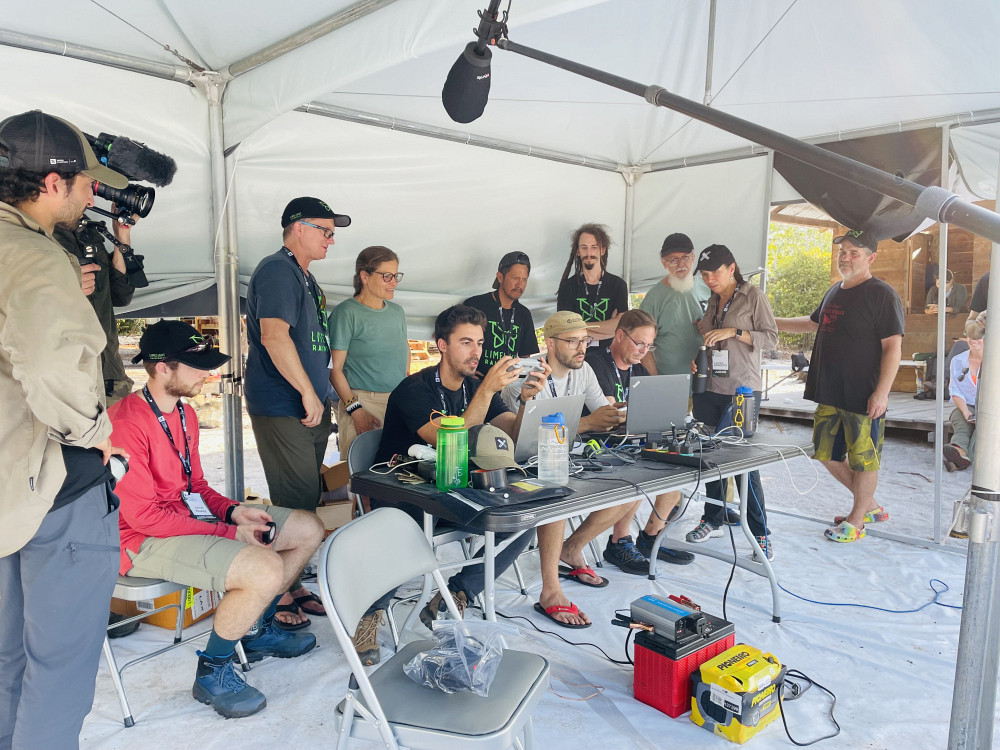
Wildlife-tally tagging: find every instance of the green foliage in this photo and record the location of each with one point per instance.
(798, 270)
(130, 326)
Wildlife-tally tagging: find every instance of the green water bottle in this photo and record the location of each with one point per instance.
(452, 468)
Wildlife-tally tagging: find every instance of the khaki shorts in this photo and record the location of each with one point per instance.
(372, 402)
(195, 560)
(838, 433)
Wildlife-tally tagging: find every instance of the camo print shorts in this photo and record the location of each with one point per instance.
(838, 433)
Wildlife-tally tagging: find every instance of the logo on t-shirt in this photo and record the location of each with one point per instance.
(596, 312)
(504, 341)
(832, 313)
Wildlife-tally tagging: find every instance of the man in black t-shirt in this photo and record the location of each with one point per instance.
(598, 296)
(509, 328)
(859, 334)
(614, 365)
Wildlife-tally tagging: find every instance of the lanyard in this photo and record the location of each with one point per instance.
(586, 293)
(186, 458)
(717, 320)
(441, 389)
(622, 390)
(317, 297)
(569, 384)
(507, 330)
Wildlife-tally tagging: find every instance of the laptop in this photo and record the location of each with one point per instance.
(527, 441)
(656, 403)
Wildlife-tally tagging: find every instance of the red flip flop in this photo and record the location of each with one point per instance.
(550, 612)
(575, 573)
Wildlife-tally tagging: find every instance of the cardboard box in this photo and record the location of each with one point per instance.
(198, 605)
(336, 476)
(336, 514)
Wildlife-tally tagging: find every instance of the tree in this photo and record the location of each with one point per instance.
(798, 270)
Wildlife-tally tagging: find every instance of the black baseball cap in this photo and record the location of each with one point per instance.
(311, 208)
(176, 341)
(44, 143)
(512, 258)
(677, 243)
(858, 237)
(714, 257)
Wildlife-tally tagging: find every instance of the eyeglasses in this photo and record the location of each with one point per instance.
(640, 346)
(681, 260)
(576, 343)
(328, 233)
(388, 277)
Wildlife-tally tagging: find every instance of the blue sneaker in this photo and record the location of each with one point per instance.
(220, 686)
(271, 640)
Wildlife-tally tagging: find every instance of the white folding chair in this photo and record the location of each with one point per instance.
(388, 706)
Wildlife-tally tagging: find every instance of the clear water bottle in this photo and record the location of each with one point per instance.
(553, 449)
(452, 465)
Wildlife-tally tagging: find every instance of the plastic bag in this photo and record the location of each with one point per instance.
(467, 656)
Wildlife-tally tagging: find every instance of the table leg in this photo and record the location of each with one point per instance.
(768, 571)
(489, 584)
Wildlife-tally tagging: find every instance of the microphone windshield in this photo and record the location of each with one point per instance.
(467, 87)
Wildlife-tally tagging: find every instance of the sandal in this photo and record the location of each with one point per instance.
(878, 515)
(303, 599)
(844, 532)
(292, 609)
(574, 574)
(551, 612)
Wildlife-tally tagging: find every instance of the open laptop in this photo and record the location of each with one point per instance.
(527, 441)
(656, 403)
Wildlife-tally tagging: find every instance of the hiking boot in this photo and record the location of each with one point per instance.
(437, 606)
(675, 556)
(702, 532)
(955, 455)
(366, 638)
(624, 554)
(219, 685)
(271, 640)
(766, 546)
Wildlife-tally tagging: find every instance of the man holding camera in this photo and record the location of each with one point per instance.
(59, 547)
(174, 526)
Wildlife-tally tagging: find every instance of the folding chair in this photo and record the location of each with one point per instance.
(360, 456)
(388, 706)
(134, 589)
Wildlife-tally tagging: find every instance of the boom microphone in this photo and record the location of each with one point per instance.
(467, 88)
(137, 161)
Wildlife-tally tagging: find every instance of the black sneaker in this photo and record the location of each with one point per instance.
(624, 554)
(675, 556)
(732, 517)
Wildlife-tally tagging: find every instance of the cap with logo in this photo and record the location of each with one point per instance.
(565, 321)
(511, 259)
(44, 143)
(491, 448)
(859, 238)
(714, 257)
(677, 243)
(176, 341)
(311, 208)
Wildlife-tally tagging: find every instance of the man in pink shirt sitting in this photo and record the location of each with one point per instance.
(174, 526)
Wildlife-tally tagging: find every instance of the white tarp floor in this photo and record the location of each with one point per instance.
(892, 673)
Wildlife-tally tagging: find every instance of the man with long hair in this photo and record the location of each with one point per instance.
(586, 287)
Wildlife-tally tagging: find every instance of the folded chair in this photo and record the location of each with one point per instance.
(388, 706)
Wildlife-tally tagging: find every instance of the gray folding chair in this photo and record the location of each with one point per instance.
(388, 706)
(361, 455)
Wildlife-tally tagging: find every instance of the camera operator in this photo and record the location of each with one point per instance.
(107, 285)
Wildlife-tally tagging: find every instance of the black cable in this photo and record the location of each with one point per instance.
(732, 571)
(564, 640)
(810, 682)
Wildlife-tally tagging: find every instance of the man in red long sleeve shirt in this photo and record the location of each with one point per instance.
(174, 526)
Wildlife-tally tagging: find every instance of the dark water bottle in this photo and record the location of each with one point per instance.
(700, 380)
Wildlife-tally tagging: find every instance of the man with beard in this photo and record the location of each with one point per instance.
(509, 327)
(174, 526)
(590, 291)
(859, 336)
(453, 389)
(676, 304)
(59, 545)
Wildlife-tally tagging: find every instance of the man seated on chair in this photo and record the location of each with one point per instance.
(451, 389)
(175, 527)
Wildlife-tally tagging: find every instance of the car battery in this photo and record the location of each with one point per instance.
(663, 667)
(735, 694)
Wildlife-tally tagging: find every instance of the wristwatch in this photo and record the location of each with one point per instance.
(739, 333)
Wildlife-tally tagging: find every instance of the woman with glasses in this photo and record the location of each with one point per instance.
(368, 347)
(737, 325)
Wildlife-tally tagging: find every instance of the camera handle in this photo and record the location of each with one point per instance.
(123, 217)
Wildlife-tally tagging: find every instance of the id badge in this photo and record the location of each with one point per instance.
(720, 363)
(196, 505)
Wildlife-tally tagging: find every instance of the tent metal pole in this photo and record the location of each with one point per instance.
(455, 136)
(931, 202)
(309, 34)
(940, 373)
(973, 700)
(710, 55)
(227, 283)
(766, 234)
(630, 176)
(91, 54)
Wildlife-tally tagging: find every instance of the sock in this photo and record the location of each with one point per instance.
(218, 646)
(270, 609)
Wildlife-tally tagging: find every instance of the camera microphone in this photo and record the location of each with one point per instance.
(467, 88)
(137, 161)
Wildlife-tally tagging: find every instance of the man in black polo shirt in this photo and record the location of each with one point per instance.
(509, 327)
(614, 365)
